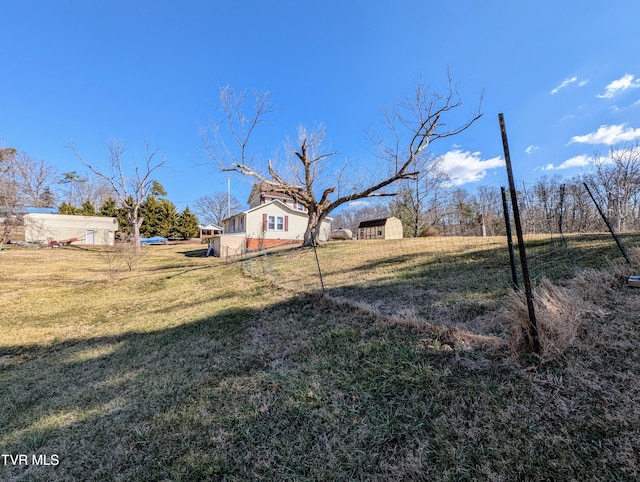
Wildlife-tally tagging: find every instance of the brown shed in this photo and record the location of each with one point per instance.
(385, 228)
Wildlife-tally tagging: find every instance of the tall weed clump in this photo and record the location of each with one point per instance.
(560, 311)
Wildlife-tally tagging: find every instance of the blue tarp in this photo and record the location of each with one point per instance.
(154, 240)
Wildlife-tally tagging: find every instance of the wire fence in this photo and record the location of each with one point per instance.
(559, 240)
(450, 278)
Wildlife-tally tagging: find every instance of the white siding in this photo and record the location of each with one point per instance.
(292, 226)
(61, 227)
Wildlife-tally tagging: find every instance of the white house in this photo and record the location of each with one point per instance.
(272, 219)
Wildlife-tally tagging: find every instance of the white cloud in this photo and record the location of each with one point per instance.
(358, 203)
(582, 83)
(564, 83)
(608, 135)
(577, 161)
(463, 167)
(531, 148)
(625, 82)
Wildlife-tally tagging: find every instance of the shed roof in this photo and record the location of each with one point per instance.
(373, 223)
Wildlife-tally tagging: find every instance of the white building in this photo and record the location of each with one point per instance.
(45, 228)
(272, 219)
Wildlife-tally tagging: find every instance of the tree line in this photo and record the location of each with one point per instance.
(403, 170)
(429, 205)
(26, 182)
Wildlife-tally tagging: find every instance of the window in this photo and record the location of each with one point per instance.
(276, 223)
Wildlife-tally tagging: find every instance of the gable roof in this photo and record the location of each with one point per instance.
(372, 223)
(268, 189)
(263, 188)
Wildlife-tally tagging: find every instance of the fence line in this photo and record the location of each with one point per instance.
(442, 279)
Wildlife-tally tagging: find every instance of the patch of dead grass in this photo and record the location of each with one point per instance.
(191, 370)
(559, 310)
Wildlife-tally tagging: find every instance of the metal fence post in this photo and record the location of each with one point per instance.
(533, 326)
(512, 256)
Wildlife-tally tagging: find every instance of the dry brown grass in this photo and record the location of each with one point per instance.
(559, 310)
(187, 369)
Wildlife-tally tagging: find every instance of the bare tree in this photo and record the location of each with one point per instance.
(617, 179)
(415, 123)
(10, 214)
(34, 177)
(351, 217)
(131, 184)
(490, 205)
(73, 181)
(418, 196)
(213, 208)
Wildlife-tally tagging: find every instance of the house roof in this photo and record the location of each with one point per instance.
(265, 188)
(37, 210)
(211, 227)
(104, 222)
(373, 223)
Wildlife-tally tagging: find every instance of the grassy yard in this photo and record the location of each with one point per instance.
(189, 368)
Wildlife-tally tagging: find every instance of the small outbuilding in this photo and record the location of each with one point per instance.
(227, 245)
(210, 230)
(385, 228)
(71, 229)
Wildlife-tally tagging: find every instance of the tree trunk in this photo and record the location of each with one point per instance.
(312, 232)
(136, 223)
(136, 237)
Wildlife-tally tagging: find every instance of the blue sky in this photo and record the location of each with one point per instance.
(565, 74)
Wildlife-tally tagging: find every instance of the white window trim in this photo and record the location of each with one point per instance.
(275, 223)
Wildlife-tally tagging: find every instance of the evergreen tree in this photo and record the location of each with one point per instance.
(149, 211)
(109, 208)
(124, 218)
(47, 198)
(87, 209)
(157, 189)
(159, 217)
(187, 226)
(67, 208)
(167, 219)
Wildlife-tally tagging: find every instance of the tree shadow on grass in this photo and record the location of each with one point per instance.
(308, 390)
(303, 389)
(98, 402)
